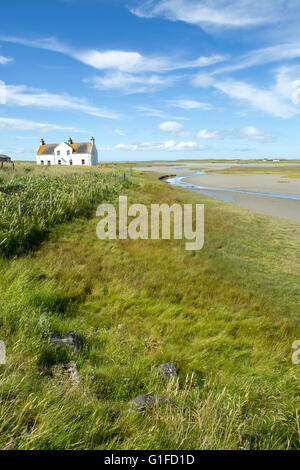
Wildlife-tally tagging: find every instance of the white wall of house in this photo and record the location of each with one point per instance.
(64, 155)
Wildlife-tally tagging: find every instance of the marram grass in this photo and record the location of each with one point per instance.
(226, 316)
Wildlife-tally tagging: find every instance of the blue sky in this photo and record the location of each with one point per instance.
(162, 79)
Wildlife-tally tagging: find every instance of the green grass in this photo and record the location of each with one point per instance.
(226, 316)
(73, 193)
(292, 171)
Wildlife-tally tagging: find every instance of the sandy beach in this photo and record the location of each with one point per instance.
(265, 183)
(272, 184)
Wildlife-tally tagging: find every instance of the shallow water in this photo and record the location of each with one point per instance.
(215, 192)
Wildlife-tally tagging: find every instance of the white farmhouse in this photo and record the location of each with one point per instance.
(68, 153)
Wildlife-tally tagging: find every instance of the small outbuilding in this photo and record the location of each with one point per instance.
(5, 159)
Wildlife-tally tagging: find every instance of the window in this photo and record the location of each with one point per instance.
(82, 162)
(59, 162)
(48, 162)
(71, 162)
(58, 152)
(42, 162)
(68, 152)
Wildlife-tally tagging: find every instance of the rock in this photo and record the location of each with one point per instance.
(69, 339)
(167, 370)
(68, 371)
(72, 371)
(144, 401)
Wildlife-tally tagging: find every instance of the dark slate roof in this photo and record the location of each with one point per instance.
(80, 147)
(4, 158)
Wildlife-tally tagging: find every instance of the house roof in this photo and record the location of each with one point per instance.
(78, 147)
(4, 158)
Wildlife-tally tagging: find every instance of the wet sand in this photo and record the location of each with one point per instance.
(263, 183)
(275, 206)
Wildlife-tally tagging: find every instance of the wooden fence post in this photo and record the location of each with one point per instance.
(20, 208)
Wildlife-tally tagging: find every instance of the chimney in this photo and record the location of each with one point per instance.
(70, 141)
(42, 142)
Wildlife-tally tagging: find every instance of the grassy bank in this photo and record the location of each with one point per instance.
(34, 199)
(226, 316)
(292, 171)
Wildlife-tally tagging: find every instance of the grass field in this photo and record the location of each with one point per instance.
(286, 171)
(34, 199)
(226, 316)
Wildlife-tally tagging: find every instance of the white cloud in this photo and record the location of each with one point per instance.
(189, 104)
(20, 95)
(263, 56)
(131, 83)
(206, 134)
(267, 100)
(218, 13)
(169, 146)
(123, 61)
(251, 133)
(170, 126)
(5, 60)
(202, 80)
(9, 124)
(154, 112)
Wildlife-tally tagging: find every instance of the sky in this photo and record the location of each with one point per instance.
(157, 79)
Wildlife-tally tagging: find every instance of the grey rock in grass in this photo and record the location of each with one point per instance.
(167, 370)
(144, 401)
(68, 371)
(69, 339)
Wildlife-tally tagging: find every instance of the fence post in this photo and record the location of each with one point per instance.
(51, 199)
(124, 176)
(20, 208)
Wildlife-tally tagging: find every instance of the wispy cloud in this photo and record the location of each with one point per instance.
(158, 113)
(250, 133)
(202, 80)
(189, 104)
(20, 95)
(5, 60)
(123, 61)
(265, 100)
(168, 146)
(218, 13)
(207, 134)
(131, 83)
(9, 124)
(277, 53)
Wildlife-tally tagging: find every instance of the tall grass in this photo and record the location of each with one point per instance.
(226, 315)
(73, 195)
